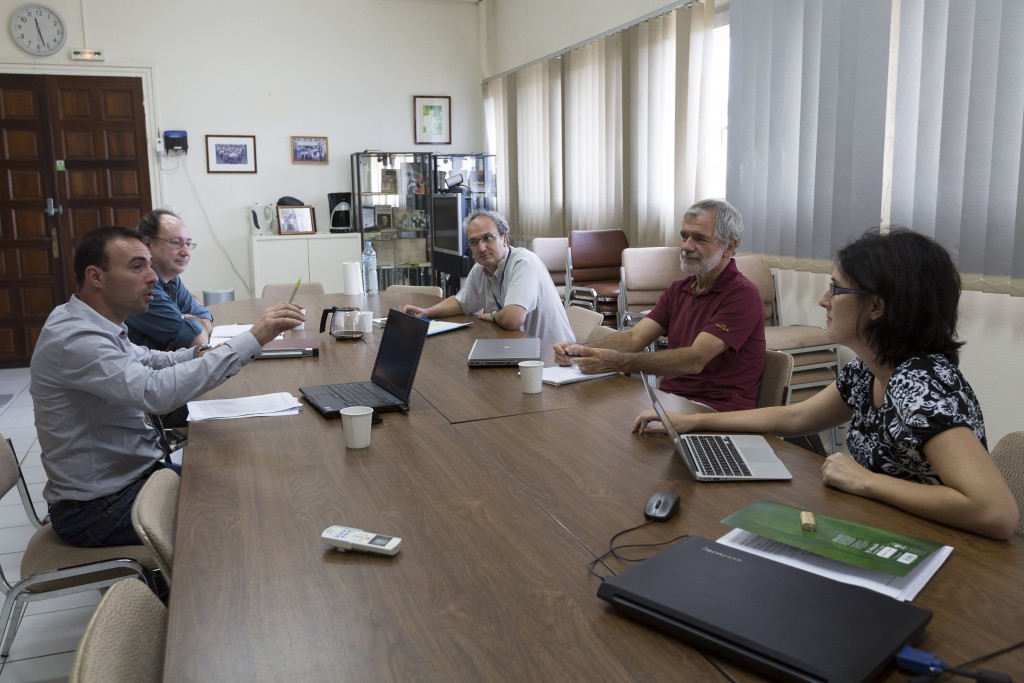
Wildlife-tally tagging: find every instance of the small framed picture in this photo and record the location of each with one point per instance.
(230, 153)
(432, 119)
(389, 181)
(296, 220)
(368, 217)
(309, 150)
(382, 216)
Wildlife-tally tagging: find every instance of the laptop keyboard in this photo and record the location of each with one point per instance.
(718, 456)
(360, 394)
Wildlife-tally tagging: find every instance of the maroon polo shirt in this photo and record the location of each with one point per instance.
(731, 310)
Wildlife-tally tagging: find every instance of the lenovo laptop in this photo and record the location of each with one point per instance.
(394, 370)
(784, 622)
(714, 457)
(503, 352)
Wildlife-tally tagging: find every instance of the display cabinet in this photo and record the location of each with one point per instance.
(391, 205)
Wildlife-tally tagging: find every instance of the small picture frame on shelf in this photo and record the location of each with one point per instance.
(230, 153)
(413, 180)
(369, 217)
(296, 220)
(389, 181)
(432, 119)
(382, 217)
(309, 150)
(409, 219)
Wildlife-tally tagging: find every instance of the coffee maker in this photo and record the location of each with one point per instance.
(340, 204)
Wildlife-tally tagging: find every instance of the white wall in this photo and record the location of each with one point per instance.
(345, 69)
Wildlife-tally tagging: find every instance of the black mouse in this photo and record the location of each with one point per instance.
(661, 506)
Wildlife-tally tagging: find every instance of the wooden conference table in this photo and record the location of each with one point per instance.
(500, 499)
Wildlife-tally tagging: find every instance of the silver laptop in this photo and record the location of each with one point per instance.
(715, 457)
(501, 352)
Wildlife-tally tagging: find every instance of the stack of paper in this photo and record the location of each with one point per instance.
(281, 403)
(223, 333)
(558, 375)
(884, 561)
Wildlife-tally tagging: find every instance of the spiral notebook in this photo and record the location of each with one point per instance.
(558, 375)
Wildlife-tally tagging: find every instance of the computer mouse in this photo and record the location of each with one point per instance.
(661, 506)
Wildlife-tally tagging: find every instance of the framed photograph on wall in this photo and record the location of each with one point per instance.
(230, 153)
(432, 119)
(309, 150)
(296, 220)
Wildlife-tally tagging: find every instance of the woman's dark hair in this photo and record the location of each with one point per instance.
(915, 277)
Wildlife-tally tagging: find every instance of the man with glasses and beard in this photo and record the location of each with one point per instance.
(175, 320)
(713, 318)
(509, 286)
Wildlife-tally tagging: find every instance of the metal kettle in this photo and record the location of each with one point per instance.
(345, 323)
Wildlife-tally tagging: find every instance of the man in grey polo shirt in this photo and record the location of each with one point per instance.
(508, 286)
(91, 388)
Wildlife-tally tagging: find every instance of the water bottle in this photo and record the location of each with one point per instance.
(369, 269)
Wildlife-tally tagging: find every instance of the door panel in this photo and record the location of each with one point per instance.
(96, 125)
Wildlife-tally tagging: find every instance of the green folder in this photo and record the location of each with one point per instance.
(857, 544)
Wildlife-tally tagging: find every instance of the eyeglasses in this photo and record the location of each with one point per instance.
(486, 239)
(834, 289)
(178, 244)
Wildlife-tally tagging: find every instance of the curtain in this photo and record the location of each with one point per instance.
(957, 141)
(807, 98)
(596, 138)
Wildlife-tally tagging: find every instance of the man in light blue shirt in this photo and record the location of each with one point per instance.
(175, 320)
(91, 388)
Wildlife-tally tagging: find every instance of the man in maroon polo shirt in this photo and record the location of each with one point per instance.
(713, 317)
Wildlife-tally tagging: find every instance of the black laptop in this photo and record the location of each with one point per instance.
(390, 383)
(779, 620)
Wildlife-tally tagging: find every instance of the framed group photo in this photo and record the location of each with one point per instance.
(309, 150)
(432, 119)
(230, 153)
(296, 220)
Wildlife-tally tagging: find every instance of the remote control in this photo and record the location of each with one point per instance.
(345, 538)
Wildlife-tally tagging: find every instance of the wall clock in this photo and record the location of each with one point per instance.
(38, 30)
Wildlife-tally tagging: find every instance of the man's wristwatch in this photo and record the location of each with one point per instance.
(198, 350)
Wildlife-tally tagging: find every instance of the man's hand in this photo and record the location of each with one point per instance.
(591, 360)
(414, 310)
(275, 320)
(562, 356)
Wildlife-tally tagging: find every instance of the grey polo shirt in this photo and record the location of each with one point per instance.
(521, 279)
(91, 388)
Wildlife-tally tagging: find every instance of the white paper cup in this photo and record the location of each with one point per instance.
(302, 326)
(531, 372)
(356, 422)
(366, 320)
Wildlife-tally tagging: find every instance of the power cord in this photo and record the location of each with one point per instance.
(928, 667)
(613, 550)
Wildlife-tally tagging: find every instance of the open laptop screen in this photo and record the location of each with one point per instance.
(401, 346)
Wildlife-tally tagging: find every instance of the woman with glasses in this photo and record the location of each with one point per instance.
(916, 437)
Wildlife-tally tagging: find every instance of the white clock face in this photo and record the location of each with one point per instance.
(38, 30)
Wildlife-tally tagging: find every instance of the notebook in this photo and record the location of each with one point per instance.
(557, 375)
(394, 370)
(292, 347)
(501, 352)
(714, 457)
(778, 620)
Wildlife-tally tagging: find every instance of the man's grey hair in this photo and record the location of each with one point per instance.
(498, 219)
(728, 222)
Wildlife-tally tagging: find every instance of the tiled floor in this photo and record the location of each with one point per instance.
(45, 645)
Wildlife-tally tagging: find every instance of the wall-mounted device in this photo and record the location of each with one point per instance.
(263, 219)
(175, 141)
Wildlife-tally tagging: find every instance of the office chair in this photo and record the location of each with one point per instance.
(592, 265)
(155, 517)
(1009, 458)
(125, 639)
(283, 291)
(775, 379)
(415, 289)
(645, 274)
(50, 567)
(552, 252)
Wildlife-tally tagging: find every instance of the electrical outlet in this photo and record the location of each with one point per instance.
(160, 145)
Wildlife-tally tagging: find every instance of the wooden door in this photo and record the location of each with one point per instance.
(93, 127)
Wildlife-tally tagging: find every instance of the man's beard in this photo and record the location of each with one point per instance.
(705, 266)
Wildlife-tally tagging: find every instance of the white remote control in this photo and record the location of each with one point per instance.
(345, 538)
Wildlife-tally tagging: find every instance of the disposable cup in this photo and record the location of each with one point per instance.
(356, 422)
(302, 325)
(531, 372)
(366, 321)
